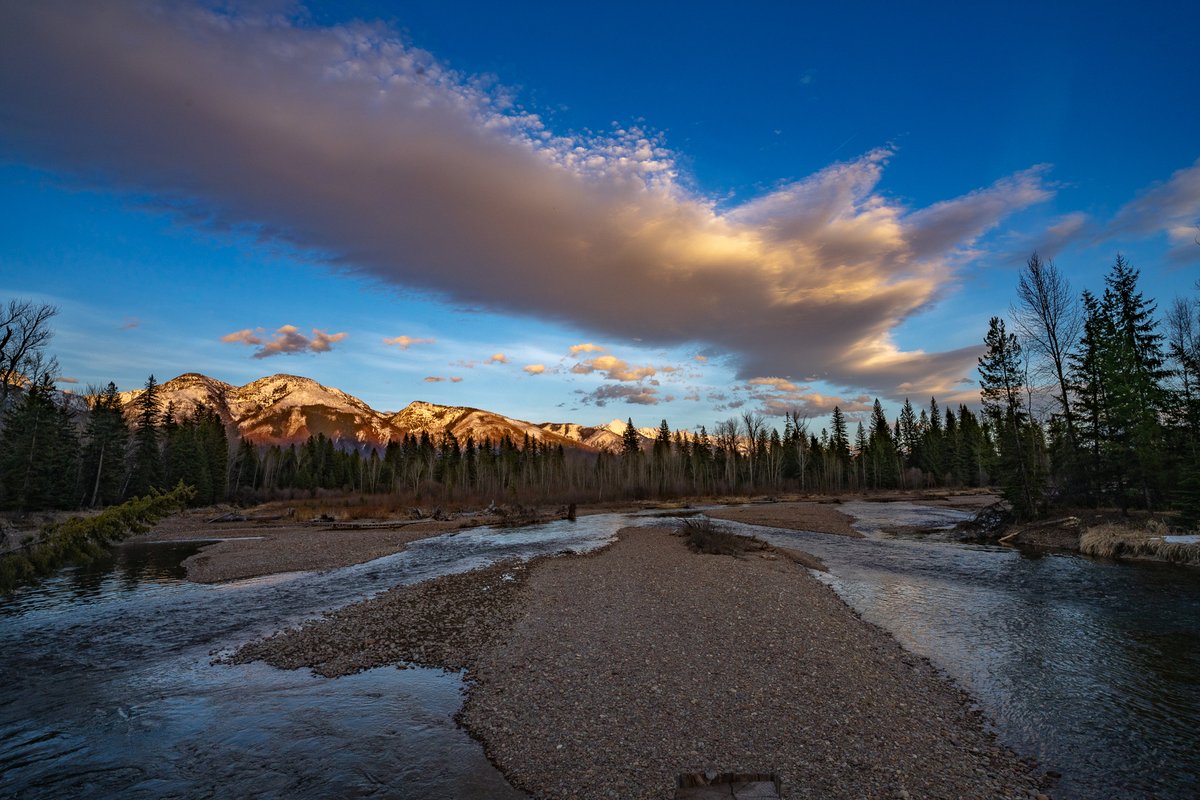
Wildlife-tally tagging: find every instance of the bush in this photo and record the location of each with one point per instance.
(703, 536)
(84, 538)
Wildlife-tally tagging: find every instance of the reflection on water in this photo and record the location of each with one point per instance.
(1092, 667)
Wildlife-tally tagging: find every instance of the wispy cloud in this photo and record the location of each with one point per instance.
(1171, 207)
(317, 135)
(405, 342)
(287, 339)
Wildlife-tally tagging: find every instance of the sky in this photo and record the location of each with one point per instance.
(572, 213)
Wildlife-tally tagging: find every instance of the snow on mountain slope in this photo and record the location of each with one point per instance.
(604, 437)
(285, 409)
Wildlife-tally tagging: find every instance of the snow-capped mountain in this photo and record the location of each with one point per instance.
(282, 409)
(604, 437)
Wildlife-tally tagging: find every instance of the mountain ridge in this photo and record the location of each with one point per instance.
(286, 409)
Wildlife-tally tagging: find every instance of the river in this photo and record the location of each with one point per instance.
(108, 686)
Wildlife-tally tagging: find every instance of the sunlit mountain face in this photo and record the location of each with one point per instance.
(286, 409)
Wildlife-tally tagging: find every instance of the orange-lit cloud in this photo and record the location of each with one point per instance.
(535, 369)
(405, 342)
(498, 358)
(587, 347)
(614, 369)
(317, 135)
(287, 339)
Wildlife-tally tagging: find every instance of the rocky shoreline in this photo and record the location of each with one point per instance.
(609, 674)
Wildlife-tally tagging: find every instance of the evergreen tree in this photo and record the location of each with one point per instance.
(1001, 388)
(1136, 398)
(107, 438)
(146, 470)
(631, 442)
(38, 452)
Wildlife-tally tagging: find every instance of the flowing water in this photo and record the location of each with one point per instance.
(1092, 667)
(108, 686)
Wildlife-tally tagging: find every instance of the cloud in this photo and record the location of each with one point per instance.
(1171, 207)
(244, 336)
(587, 347)
(65, 379)
(287, 339)
(434, 379)
(777, 397)
(535, 369)
(498, 358)
(130, 323)
(635, 395)
(614, 369)
(347, 142)
(405, 342)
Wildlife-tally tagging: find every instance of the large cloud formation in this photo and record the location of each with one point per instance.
(350, 142)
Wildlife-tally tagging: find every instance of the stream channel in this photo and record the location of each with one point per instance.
(108, 686)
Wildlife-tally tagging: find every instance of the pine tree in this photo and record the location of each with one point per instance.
(1001, 387)
(631, 442)
(38, 452)
(1136, 398)
(146, 470)
(107, 438)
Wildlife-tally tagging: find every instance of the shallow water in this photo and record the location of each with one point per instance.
(1092, 667)
(107, 686)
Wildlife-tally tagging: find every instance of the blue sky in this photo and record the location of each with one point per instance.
(765, 208)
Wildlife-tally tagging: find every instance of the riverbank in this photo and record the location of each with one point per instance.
(1108, 536)
(273, 538)
(609, 674)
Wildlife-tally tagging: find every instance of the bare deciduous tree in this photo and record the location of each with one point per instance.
(24, 333)
(1049, 321)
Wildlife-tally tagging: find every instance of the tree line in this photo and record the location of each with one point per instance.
(1085, 400)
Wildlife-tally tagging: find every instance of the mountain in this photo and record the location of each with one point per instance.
(604, 437)
(285, 409)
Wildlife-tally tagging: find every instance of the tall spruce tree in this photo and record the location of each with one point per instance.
(146, 468)
(1001, 383)
(106, 441)
(39, 452)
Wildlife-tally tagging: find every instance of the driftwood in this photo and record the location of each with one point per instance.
(735, 785)
(371, 526)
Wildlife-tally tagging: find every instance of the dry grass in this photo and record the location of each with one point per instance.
(703, 536)
(1117, 540)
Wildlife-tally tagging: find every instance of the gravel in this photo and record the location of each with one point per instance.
(610, 674)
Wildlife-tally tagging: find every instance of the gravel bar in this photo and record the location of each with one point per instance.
(607, 675)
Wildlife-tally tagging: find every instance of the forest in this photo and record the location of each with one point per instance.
(1086, 399)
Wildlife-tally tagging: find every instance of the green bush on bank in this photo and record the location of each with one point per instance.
(82, 539)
